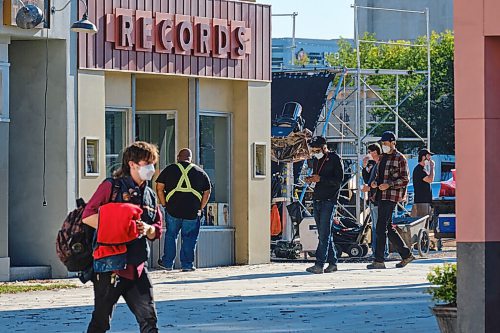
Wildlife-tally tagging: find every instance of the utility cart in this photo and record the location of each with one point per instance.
(414, 232)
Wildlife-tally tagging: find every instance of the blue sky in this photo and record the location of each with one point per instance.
(323, 19)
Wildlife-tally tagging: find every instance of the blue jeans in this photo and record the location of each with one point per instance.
(323, 215)
(374, 215)
(190, 230)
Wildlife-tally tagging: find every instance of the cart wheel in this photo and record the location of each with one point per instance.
(311, 254)
(355, 251)
(423, 242)
(338, 249)
(365, 248)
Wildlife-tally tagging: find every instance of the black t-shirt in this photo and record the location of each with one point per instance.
(183, 205)
(423, 193)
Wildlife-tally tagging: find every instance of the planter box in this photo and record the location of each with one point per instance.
(446, 317)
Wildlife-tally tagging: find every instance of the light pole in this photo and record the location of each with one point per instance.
(293, 15)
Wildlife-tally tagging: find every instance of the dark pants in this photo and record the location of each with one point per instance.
(385, 230)
(137, 293)
(323, 215)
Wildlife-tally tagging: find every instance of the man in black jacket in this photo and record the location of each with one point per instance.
(328, 173)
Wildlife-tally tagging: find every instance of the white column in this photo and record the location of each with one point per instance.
(4, 171)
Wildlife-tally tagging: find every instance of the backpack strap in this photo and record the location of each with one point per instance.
(115, 189)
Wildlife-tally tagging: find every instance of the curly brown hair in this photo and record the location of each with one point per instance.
(136, 152)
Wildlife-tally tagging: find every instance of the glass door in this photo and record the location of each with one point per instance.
(215, 159)
(116, 138)
(158, 128)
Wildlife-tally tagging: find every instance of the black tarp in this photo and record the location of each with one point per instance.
(307, 89)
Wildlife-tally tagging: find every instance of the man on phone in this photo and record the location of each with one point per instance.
(328, 173)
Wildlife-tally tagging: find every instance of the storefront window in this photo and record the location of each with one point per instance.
(215, 158)
(116, 139)
(158, 128)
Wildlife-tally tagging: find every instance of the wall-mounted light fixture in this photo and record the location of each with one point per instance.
(28, 16)
(84, 25)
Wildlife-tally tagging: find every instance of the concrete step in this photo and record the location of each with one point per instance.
(30, 273)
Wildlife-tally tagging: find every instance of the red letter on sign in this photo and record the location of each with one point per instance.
(222, 38)
(240, 40)
(184, 34)
(164, 35)
(144, 35)
(125, 29)
(202, 37)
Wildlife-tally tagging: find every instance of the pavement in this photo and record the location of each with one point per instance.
(276, 297)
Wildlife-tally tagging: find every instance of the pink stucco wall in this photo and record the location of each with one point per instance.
(477, 119)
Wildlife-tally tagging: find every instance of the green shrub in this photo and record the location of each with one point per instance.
(444, 284)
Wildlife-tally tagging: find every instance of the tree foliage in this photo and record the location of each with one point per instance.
(414, 109)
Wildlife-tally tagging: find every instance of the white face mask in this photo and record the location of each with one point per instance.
(146, 172)
(386, 149)
(319, 155)
(427, 163)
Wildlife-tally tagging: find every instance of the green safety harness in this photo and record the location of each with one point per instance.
(184, 178)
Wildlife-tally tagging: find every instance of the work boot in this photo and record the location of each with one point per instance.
(376, 265)
(316, 269)
(406, 261)
(331, 268)
(188, 269)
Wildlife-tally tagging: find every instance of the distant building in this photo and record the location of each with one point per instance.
(388, 25)
(315, 50)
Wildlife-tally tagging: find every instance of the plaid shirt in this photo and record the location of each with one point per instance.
(396, 174)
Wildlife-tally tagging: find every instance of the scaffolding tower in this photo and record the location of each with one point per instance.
(356, 115)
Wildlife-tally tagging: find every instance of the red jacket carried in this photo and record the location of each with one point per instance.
(116, 227)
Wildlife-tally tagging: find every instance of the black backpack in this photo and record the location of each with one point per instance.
(74, 241)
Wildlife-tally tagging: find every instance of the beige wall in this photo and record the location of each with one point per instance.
(166, 93)
(91, 106)
(259, 190)
(241, 173)
(118, 89)
(96, 91)
(218, 95)
(250, 105)
(251, 197)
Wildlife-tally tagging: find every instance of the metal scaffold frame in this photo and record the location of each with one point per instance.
(353, 136)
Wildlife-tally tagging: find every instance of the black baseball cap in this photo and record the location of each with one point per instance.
(317, 142)
(388, 136)
(424, 152)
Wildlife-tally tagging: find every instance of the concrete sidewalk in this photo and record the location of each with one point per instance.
(279, 297)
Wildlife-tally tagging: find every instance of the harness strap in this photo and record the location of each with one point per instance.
(184, 179)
